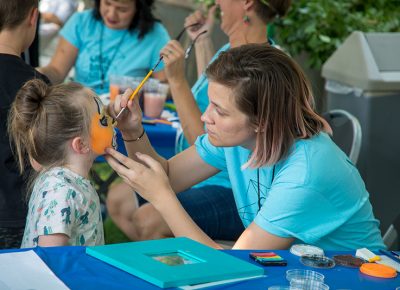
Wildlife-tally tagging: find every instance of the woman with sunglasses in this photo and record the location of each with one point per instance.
(290, 181)
(117, 37)
(210, 203)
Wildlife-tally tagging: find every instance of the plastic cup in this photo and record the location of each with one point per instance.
(155, 95)
(301, 274)
(279, 287)
(308, 284)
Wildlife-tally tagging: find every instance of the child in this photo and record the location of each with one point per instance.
(17, 30)
(61, 129)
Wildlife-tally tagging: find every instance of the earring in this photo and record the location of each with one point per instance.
(246, 19)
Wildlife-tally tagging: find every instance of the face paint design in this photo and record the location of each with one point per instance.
(102, 132)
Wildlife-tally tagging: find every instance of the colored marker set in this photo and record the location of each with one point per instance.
(268, 259)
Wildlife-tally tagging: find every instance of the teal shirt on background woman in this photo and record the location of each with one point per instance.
(111, 52)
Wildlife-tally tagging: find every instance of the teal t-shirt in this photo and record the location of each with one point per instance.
(119, 52)
(315, 195)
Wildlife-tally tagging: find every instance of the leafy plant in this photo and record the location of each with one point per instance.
(207, 3)
(318, 27)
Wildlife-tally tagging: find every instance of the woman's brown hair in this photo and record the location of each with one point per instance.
(267, 10)
(44, 118)
(272, 90)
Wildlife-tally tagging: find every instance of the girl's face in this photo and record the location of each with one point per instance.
(232, 13)
(117, 14)
(226, 125)
(102, 133)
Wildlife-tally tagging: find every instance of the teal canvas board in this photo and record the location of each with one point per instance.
(174, 262)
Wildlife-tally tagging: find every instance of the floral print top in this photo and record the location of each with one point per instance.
(64, 202)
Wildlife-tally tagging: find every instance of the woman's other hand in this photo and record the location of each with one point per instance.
(148, 178)
(174, 60)
(130, 121)
(205, 23)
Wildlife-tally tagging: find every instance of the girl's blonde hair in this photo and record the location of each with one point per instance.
(272, 90)
(44, 118)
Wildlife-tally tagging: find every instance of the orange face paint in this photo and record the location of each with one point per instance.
(102, 133)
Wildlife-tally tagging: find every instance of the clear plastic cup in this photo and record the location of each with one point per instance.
(308, 284)
(155, 95)
(301, 274)
(282, 287)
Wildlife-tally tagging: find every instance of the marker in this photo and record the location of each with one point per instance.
(393, 255)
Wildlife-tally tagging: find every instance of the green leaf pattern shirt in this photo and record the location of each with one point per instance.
(64, 202)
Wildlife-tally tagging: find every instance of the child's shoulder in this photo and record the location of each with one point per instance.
(61, 179)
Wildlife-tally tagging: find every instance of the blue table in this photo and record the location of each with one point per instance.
(80, 271)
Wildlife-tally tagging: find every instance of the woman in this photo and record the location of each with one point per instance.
(291, 182)
(210, 203)
(117, 37)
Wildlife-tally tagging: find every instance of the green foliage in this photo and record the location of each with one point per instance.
(318, 27)
(207, 3)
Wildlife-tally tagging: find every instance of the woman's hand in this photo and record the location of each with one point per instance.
(147, 178)
(205, 23)
(130, 121)
(174, 60)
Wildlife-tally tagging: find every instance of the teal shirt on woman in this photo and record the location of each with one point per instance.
(102, 50)
(315, 195)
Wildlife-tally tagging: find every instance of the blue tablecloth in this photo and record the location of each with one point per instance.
(80, 271)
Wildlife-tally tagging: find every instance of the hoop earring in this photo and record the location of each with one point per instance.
(246, 20)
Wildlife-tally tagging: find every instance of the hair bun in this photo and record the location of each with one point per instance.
(33, 93)
(28, 102)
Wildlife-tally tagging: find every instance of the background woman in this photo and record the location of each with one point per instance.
(117, 37)
(210, 203)
(290, 181)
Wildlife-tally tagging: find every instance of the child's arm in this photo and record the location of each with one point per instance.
(53, 240)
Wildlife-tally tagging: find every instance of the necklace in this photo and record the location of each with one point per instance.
(258, 185)
(104, 69)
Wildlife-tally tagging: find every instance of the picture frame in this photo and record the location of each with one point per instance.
(174, 262)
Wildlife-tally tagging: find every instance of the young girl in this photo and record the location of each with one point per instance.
(61, 130)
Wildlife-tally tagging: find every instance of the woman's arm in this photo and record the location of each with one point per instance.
(149, 179)
(204, 45)
(255, 238)
(204, 53)
(188, 111)
(61, 63)
(53, 240)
